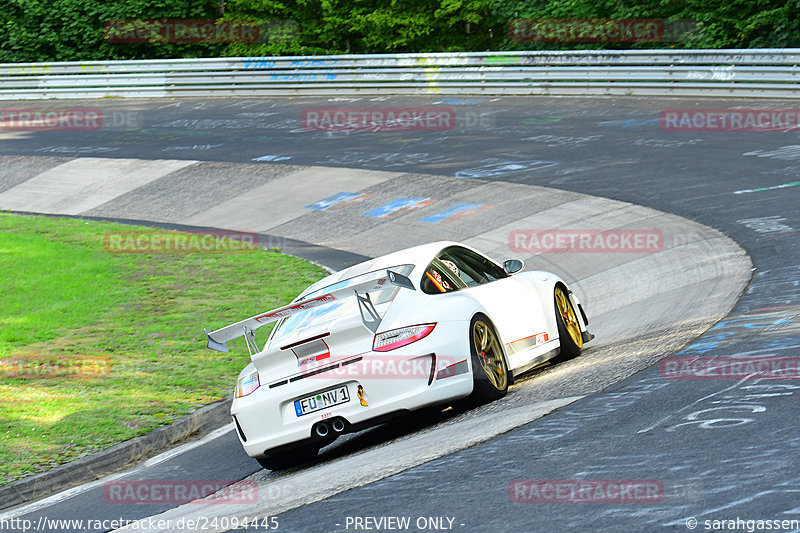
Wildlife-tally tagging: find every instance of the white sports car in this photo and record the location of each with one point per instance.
(423, 326)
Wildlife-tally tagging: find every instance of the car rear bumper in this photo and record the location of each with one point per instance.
(391, 382)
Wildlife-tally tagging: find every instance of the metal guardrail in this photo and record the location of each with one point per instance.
(749, 72)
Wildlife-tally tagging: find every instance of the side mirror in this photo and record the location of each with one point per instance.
(513, 265)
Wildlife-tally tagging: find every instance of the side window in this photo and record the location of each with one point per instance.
(440, 277)
(473, 268)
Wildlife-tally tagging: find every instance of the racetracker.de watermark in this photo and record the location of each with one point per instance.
(67, 119)
(382, 367)
(50, 367)
(180, 492)
(354, 119)
(714, 119)
(173, 242)
(585, 491)
(774, 368)
(587, 30)
(199, 31)
(586, 241)
(150, 523)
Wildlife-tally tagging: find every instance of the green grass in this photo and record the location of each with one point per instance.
(99, 347)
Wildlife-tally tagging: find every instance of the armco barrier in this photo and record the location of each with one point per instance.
(749, 72)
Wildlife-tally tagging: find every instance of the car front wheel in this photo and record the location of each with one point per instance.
(569, 329)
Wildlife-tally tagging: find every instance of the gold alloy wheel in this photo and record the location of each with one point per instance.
(489, 354)
(568, 316)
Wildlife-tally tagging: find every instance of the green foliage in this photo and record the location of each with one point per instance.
(63, 30)
(715, 23)
(368, 26)
(72, 30)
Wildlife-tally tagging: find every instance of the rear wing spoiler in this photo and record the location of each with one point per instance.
(375, 281)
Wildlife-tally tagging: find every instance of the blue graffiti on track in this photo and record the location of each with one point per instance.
(397, 205)
(335, 199)
(743, 328)
(460, 209)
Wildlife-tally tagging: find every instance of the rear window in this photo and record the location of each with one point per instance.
(343, 307)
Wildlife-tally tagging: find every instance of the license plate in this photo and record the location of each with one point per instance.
(320, 401)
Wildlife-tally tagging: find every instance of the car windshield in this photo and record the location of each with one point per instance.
(343, 307)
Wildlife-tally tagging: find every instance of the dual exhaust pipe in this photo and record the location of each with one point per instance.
(325, 428)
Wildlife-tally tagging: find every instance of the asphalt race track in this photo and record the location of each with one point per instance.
(717, 449)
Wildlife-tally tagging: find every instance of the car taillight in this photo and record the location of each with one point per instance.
(395, 338)
(247, 384)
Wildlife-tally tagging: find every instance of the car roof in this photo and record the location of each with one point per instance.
(418, 255)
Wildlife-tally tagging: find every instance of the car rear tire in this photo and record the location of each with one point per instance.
(288, 458)
(489, 370)
(569, 329)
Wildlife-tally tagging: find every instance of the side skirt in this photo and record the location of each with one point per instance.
(538, 360)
